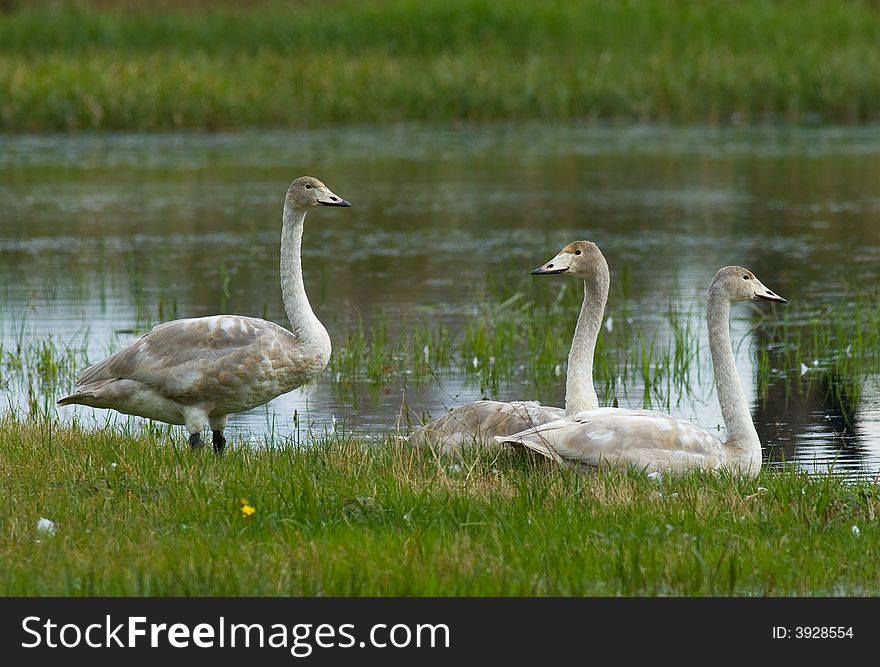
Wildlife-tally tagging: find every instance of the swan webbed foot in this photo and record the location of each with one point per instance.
(195, 440)
(218, 441)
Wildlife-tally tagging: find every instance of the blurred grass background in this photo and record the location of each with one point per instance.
(127, 65)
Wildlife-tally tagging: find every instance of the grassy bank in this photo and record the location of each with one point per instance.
(135, 516)
(120, 67)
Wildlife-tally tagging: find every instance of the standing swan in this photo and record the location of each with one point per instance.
(653, 441)
(203, 369)
(481, 420)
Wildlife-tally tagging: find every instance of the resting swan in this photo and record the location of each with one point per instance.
(656, 442)
(200, 370)
(480, 421)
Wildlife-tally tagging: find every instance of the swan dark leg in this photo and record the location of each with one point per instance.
(195, 440)
(219, 441)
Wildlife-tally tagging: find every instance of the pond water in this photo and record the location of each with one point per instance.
(102, 236)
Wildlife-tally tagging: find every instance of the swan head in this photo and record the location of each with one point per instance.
(308, 192)
(740, 284)
(581, 259)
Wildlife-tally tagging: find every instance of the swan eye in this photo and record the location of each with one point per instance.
(577, 252)
(745, 277)
(308, 187)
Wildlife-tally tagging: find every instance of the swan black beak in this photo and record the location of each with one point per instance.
(548, 270)
(334, 201)
(772, 296)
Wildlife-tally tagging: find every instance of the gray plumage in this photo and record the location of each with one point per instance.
(199, 370)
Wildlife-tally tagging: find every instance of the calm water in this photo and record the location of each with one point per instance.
(101, 236)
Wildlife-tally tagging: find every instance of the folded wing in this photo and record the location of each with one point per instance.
(185, 357)
(480, 421)
(611, 437)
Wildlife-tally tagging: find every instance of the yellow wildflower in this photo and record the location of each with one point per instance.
(247, 510)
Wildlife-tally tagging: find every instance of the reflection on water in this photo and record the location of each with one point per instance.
(102, 236)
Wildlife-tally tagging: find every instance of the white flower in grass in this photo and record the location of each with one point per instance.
(609, 324)
(46, 526)
(856, 531)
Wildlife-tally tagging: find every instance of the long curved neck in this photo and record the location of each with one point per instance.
(741, 433)
(579, 391)
(293, 291)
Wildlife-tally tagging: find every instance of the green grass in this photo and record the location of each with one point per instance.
(136, 514)
(410, 60)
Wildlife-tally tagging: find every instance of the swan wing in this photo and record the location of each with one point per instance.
(178, 358)
(480, 421)
(611, 437)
